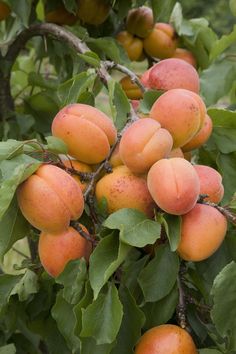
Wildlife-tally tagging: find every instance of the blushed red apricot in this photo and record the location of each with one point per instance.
(203, 230)
(166, 339)
(174, 185)
(173, 73)
(210, 183)
(56, 250)
(122, 189)
(186, 55)
(50, 198)
(181, 112)
(81, 167)
(131, 89)
(86, 130)
(201, 137)
(144, 143)
(132, 45)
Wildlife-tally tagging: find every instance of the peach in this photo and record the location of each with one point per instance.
(161, 42)
(131, 89)
(132, 45)
(173, 73)
(210, 183)
(185, 55)
(87, 131)
(203, 230)
(181, 112)
(50, 198)
(56, 250)
(201, 137)
(81, 167)
(174, 185)
(122, 189)
(144, 143)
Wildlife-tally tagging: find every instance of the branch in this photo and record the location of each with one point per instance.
(223, 210)
(84, 234)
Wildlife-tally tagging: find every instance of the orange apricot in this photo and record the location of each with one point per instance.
(161, 42)
(50, 198)
(186, 55)
(81, 167)
(181, 112)
(203, 230)
(132, 45)
(60, 16)
(4, 10)
(210, 183)
(201, 137)
(140, 21)
(173, 73)
(122, 189)
(93, 12)
(174, 185)
(144, 143)
(87, 131)
(131, 89)
(56, 250)
(166, 339)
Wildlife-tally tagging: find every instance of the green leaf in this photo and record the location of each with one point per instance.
(162, 9)
(10, 149)
(91, 58)
(227, 168)
(148, 100)
(232, 5)
(8, 349)
(119, 104)
(135, 229)
(173, 230)
(224, 311)
(131, 271)
(102, 319)
(132, 322)
(22, 8)
(89, 345)
(223, 43)
(56, 145)
(209, 351)
(105, 259)
(35, 79)
(27, 286)
(105, 47)
(7, 283)
(159, 276)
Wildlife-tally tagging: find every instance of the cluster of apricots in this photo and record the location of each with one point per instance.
(144, 37)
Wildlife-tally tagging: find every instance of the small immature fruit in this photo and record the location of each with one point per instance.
(140, 21)
(50, 198)
(132, 45)
(122, 189)
(79, 166)
(203, 230)
(56, 250)
(181, 112)
(60, 16)
(173, 73)
(166, 339)
(93, 12)
(131, 89)
(144, 143)
(87, 131)
(4, 10)
(210, 183)
(185, 55)
(174, 185)
(161, 42)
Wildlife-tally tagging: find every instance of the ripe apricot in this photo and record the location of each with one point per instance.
(87, 131)
(56, 250)
(210, 183)
(181, 112)
(144, 143)
(166, 339)
(173, 73)
(79, 166)
(201, 137)
(140, 21)
(93, 12)
(50, 198)
(145, 78)
(60, 16)
(4, 10)
(132, 45)
(185, 55)
(202, 231)
(122, 189)
(174, 185)
(131, 89)
(161, 42)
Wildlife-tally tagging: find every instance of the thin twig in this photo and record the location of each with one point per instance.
(88, 237)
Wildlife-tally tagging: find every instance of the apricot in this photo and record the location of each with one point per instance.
(176, 153)
(87, 131)
(122, 189)
(185, 55)
(93, 12)
(166, 339)
(201, 137)
(144, 143)
(174, 185)
(145, 78)
(60, 16)
(132, 45)
(131, 89)
(79, 166)
(161, 42)
(56, 250)
(210, 183)
(50, 198)
(181, 112)
(115, 159)
(140, 21)
(203, 230)
(4, 10)
(173, 73)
